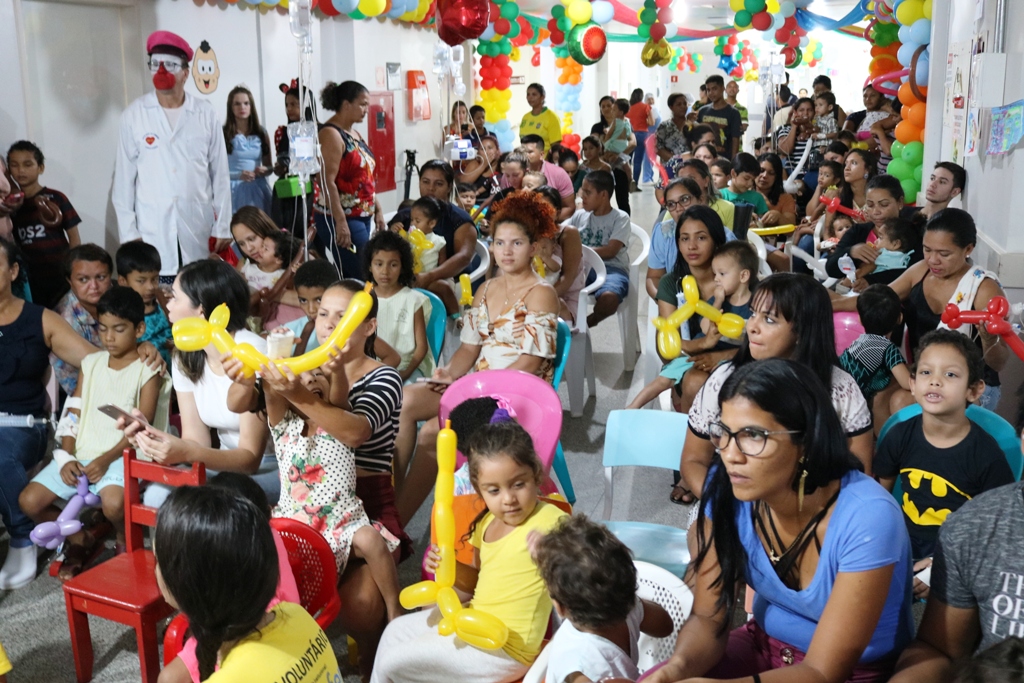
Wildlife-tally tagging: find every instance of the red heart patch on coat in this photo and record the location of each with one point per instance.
(150, 139)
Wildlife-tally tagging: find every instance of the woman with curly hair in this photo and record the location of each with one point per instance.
(512, 324)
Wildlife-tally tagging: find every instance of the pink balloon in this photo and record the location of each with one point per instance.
(848, 328)
(461, 20)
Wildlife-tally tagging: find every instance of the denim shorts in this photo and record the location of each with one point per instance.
(616, 282)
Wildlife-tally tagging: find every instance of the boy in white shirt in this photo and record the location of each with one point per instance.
(592, 580)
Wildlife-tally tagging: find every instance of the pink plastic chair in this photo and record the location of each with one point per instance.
(537, 406)
(848, 328)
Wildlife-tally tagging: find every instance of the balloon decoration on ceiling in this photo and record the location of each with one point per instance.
(684, 60)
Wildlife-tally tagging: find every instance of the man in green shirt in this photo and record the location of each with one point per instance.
(732, 89)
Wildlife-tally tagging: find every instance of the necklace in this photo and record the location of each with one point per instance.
(508, 290)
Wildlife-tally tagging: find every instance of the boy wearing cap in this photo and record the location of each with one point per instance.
(171, 183)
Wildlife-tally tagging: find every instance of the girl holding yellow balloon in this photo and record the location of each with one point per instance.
(503, 585)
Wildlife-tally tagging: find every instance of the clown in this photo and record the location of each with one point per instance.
(171, 184)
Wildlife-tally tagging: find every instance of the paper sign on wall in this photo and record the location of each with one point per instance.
(1007, 127)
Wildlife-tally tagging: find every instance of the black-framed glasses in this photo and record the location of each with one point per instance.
(750, 440)
(172, 65)
(683, 202)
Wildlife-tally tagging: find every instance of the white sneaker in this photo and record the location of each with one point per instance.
(19, 569)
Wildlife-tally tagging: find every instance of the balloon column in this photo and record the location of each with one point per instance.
(568, 93)
(914, 17)
(684, 60)
(472, 626)
(494, 50)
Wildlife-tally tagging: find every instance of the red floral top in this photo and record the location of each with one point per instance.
(356, 189)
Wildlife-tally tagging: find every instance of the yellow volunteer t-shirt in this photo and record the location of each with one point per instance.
(5, 664)
(544, 124)
(510, 586)
(291, 648)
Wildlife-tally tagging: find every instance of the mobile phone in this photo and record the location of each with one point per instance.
(112, 411)
(432, 380)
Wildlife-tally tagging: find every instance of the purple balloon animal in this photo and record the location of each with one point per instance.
(52, 534)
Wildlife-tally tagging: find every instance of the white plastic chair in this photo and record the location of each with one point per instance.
(580, 366)
(764, 270)
(668, 591)
(629, 311)
(539, 668)
(480, 271)
(645, 438)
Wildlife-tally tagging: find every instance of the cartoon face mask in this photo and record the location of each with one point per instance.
(205, 70)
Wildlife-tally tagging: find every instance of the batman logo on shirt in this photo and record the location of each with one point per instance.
(938, 488)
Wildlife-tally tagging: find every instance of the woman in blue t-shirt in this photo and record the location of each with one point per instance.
(824, 547)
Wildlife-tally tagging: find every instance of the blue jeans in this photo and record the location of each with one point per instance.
(640, 162)
(350, 264)
(21, 449)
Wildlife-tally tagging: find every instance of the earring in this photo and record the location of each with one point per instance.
(866, 176)
(800, 491)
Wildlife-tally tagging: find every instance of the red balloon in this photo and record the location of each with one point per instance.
(506, 71)
(794, 41)
(557, 37)
(461, 20)
(535, 60)
(502, 83)
(726, 49)
(665, 15)
(501, 60)
(328, 9)
(761, 21)
(487, 83)
(502, 26)
(733, 40)
(781, 36)
(657, 31)
(486, 61)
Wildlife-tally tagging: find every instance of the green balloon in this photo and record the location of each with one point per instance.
(564, 24)
(514, 30)
(510, 11)
(644, 31)
(896, 152)
(650, 4)
(356, 14)
(900, 170)
(910, 189)
(718, 50)
(505, 46)
(919, 174)
(913, 153)
(755, 6)
(743, 18)
(558, 11)
(648, 16)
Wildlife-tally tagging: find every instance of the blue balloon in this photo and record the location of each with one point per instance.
(904, 34)
(488, 33)
(921, 32)
(906, 53)
(503, 126)
(726, 63)
(922, 70)
(345, 6)
(601, 11)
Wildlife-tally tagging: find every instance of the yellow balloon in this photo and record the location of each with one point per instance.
(926, 9)
(731, 325)
(706, 310)
(419, 243)
(448, 601)
(372, 8)
(669, 340)
(189, 332)
(579, 11)
(466, 299)
(691, 292)
(418, 595)
(481, 629)
(773, 7)
(737, 5)
(515, 54)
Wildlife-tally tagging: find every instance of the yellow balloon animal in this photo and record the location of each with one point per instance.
(539, 267)
(195, 334)
(670, 344)
(419, 243)
(477, 628)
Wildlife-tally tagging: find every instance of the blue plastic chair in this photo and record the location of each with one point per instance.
(436, 324)
(561, 360)
(646, 438)
(998, 428)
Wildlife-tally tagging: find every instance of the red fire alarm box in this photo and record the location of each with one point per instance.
(380, 135)
(419, 96)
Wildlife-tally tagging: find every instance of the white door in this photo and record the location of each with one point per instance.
(84, 64)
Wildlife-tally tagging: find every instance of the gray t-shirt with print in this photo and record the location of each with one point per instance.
(979, 562)
(598, 231)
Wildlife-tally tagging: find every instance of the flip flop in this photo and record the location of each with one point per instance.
(687, 497)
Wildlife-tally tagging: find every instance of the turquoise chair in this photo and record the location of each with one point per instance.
(646, 438)
(561, 359)
(436, 324)
(998, 428)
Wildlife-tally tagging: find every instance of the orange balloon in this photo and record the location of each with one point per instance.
(574, 79)
(907, 132)
(907, 96)
(560, 62)
(883, 64)
(562, 79)
(915, 114)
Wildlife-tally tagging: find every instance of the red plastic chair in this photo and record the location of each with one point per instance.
(316, 575)
(124, 589)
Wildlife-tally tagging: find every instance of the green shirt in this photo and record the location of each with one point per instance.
(749, 197)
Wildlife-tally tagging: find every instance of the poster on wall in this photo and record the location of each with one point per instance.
(1007, 127)
(205, 70)
(958, 78)
(973, 132)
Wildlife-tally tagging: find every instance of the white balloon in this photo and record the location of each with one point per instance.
(804, 41)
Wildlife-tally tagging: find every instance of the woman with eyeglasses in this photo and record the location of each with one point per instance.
(791, 317)
(823, 546)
